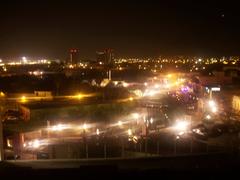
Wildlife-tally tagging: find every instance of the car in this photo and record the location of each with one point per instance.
(11, 115)
(218, 130)
(42, 155)
(200, 131)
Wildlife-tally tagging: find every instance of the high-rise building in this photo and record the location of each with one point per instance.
(100, 56)
(106, 56)
(74, 56)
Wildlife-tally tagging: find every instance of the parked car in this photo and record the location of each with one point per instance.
(42, 155)
(200, 131)
(11, 115)
(218, 130)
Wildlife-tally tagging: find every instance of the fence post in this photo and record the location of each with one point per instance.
(1, 141)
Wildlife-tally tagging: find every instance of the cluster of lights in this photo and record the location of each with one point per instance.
(59, 127)
(25, 61)
(80, 65)
(36, 73)
(32, 144)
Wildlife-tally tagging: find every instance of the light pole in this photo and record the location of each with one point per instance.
(157, 146)
(191, 143)
(146, 138)
(85, 142)
(122, 144)
(180, 127)
(120, 124)
(105, 149)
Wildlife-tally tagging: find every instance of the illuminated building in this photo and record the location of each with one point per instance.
(74, 56)
(105, 57)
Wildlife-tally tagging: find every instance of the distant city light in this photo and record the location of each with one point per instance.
(24, 59)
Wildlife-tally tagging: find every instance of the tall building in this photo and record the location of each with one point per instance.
(106, 56)
(74, 56)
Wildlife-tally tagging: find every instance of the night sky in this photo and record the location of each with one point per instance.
(132, 29)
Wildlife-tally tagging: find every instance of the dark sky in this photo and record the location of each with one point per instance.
(132, 29)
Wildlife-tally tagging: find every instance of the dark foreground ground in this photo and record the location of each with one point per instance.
(211, 166)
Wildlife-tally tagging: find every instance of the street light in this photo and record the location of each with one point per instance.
(181, 125)
(97, 132)
(213, 106)
(59, 127)
(208, 117)
(2, 94)
(23, 99)
(119, 123)
(211, 103)
(36, 144)
(151, 120)
(129, 132)
(84, 126)
(135, 115)
(214, 109)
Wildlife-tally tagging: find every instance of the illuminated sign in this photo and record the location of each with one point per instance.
(215, 88)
